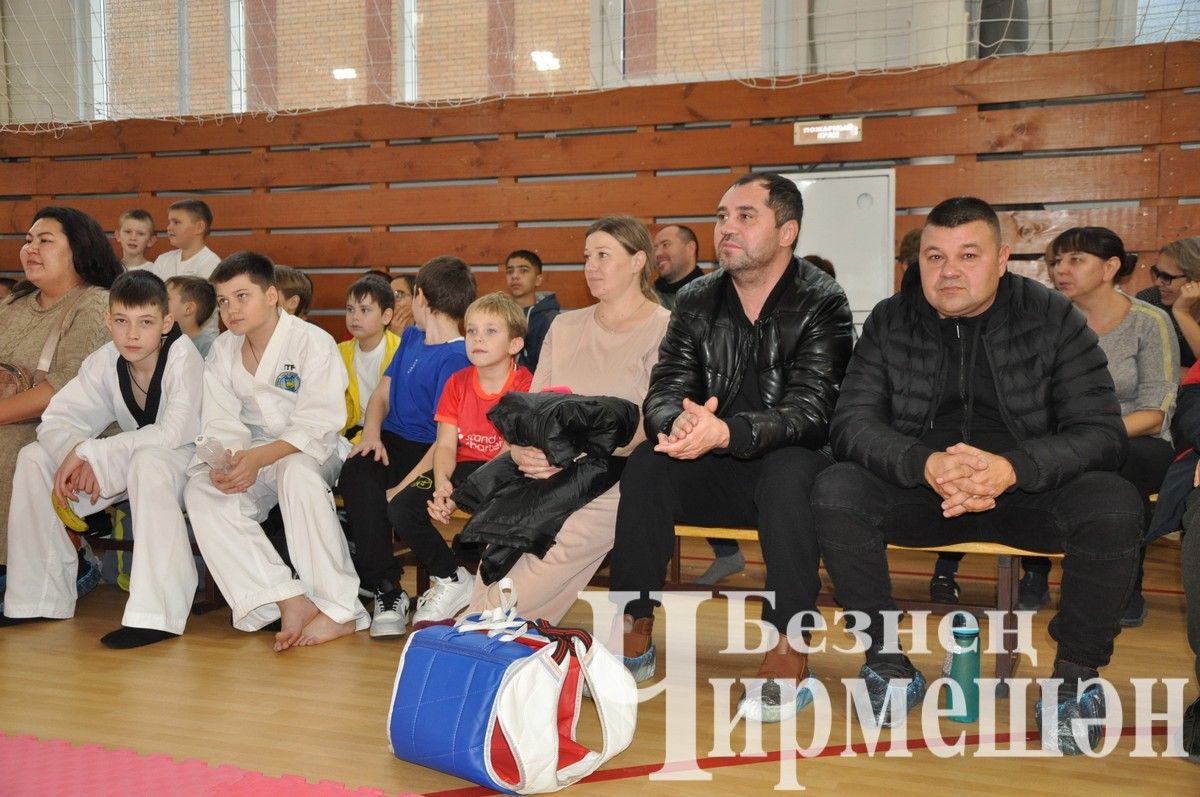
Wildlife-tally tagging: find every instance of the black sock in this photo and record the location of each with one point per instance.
(1072, 674)
(6, 621)
(127, 637)
(947, 568)
(876, 657)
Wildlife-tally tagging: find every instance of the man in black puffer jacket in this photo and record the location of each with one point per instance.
(978, 406)
(737, 410)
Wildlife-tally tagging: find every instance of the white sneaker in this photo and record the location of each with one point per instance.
(391, 613)
(446, 598)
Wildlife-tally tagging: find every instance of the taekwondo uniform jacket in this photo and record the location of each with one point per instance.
(299, 390)
(90, 402)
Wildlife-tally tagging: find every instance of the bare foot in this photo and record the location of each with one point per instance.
(294, 614)
(322, 628)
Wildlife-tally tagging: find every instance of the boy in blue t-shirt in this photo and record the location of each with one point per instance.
(398, 426)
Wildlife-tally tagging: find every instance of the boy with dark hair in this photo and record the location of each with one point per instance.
(399, 427)
(274, 400)
(295, 291)
(189, 221)
(147, 381)
(135, 234)
(378, 274)
(466, 439)
(369, 352)
(523, 275)
(192, 302)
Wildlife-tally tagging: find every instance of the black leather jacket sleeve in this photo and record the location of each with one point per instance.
(675, 376)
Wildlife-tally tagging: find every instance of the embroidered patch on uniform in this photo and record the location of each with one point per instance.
(423, 483)
(289, 381)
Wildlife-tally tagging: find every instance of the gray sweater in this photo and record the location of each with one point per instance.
(1143, 358)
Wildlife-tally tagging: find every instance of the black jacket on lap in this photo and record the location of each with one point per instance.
(797, 352)
(513, 514)
(1056, 395)
(1178, 483)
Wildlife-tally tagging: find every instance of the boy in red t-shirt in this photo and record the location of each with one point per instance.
(466, 439)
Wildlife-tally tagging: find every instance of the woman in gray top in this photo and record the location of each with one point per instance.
(1143, 358)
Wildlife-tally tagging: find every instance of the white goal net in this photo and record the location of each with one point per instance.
(67, 62)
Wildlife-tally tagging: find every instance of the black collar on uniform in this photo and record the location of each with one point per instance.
(147, 416)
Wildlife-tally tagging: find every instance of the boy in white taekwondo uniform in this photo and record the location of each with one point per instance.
(274, 391)
(148, 380)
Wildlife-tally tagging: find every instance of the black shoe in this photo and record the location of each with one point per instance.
(943, 589)
(1134, 613)
(883, 677)
(1191, 732)
(1033, 592)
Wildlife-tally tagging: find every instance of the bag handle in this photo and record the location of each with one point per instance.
(616, 702)
(613, 738)
(51, 346)
(500, 619)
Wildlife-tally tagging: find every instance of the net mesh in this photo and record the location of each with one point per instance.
(70, 62)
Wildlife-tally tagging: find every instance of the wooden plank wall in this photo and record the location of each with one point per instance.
(1111, 134)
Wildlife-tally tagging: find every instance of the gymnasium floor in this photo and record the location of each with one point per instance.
(216, 712)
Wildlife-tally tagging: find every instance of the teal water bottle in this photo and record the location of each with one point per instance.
(962, 667)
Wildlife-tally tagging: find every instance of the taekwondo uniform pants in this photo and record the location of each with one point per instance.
(42, 562)
(251, 575)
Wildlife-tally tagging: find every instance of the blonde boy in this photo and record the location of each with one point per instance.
(135, 234)
(193, 301)
(466, 439)
(189, 221)
(369, 352)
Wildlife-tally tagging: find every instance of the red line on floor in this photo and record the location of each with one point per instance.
(720, 762)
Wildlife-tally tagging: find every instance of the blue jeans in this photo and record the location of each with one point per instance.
(1096, 519)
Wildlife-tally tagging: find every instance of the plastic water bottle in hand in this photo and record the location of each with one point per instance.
(212, 454)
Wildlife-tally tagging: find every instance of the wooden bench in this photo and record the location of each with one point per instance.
(1007, 579)
(212, 596)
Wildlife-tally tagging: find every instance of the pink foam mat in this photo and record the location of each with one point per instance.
(30, 767)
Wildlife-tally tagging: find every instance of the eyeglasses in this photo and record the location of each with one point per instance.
(1162, 276)
(401, 294)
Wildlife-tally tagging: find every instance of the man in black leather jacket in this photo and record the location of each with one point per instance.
(737, 410)
(978, 406)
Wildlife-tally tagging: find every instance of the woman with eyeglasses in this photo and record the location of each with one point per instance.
(402, 316)
(1176, 290)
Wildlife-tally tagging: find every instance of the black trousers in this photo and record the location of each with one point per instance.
(362, 483)
(1145, 468)
(769, 493)
(1095, 519)
(409, 515)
